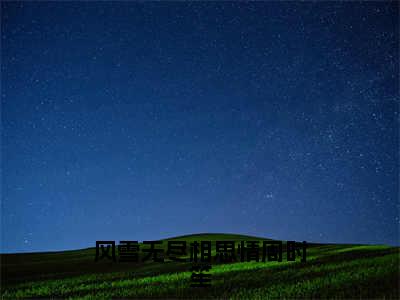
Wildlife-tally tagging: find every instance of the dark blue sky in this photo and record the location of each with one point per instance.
(128, 120)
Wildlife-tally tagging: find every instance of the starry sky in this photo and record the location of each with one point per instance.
(140, 121)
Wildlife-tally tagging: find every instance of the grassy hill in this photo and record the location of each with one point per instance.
(331, 271)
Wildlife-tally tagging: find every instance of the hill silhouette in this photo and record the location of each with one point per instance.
(331, 270)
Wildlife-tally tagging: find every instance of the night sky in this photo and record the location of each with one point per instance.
(140, 121)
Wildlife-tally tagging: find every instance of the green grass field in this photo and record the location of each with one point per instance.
(331, 271)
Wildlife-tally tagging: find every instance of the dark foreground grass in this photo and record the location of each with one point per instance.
(331, 271)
